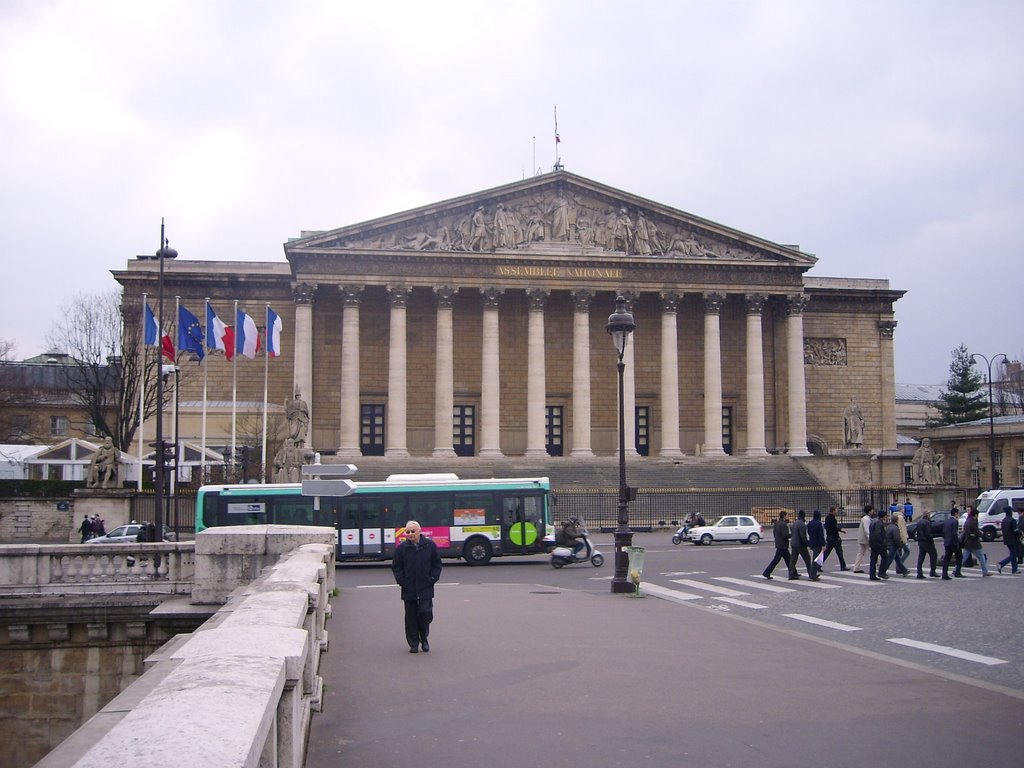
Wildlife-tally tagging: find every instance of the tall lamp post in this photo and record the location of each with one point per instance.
(620, 325)
(991, 420)
(165, 252)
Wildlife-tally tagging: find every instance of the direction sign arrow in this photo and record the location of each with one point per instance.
(328, 470)
(327, 487)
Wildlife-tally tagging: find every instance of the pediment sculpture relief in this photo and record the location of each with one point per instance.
(552, 218)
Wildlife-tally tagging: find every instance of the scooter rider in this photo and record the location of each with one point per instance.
(571, 535)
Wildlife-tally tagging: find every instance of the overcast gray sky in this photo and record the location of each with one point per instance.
(884, 137)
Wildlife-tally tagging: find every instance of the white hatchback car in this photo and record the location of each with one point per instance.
(729, 528)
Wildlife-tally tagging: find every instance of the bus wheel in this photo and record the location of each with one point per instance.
(477, 551)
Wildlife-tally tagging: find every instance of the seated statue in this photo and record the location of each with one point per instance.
(103, 467)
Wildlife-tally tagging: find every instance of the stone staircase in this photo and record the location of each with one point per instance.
(603, 472)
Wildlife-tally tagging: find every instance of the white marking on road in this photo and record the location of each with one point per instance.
(956, 652)
(375, 586)
(806, 582)
(683, 573)
(822, 622)
(668, 594)
(711, 588)
(859, 580)
(742, 603)
(754, 584)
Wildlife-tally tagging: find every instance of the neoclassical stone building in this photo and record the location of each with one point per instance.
(476, 327)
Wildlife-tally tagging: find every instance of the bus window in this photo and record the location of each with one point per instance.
(293, 512)
(430, 510)
(473, 509)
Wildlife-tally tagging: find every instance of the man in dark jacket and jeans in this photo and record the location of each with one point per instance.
(879, 550)
(798, 544)
(417, 567)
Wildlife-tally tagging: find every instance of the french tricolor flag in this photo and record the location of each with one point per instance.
(274, 327)
(247, 336)
(218, 335)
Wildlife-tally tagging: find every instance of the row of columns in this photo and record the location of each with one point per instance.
(490, 385)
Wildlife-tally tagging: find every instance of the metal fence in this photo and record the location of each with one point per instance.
(656, 508)
(179, 509)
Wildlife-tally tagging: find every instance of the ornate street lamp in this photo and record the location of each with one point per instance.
(160, 456)
(991, 420)
(620, 325)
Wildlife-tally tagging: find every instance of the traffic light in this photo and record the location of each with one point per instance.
(167, 455)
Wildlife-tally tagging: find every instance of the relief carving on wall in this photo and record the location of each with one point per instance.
(824, 351)
(554, 217)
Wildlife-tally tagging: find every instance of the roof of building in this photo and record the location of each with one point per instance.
(996, 420)
(918, 393)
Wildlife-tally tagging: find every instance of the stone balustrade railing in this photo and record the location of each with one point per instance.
(167, 567)
(240, 690)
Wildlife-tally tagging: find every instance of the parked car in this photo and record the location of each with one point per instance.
(935, 525)
(729, 528)
(125, 534)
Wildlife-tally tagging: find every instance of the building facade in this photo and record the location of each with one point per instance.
(476, 327)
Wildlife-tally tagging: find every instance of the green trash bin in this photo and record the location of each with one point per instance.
(636, 567)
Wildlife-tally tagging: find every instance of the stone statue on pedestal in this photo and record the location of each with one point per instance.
(103, 468)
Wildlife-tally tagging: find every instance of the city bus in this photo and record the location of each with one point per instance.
(472, 519)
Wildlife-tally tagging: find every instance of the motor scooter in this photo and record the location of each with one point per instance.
(563, 556)
(680, 535)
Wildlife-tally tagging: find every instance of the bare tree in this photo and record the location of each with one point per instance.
(103, 369)
(7, 349)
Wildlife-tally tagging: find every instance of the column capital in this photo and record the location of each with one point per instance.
(796, 303)
(537, 297)
(755, 302)
(399, 294)
(303, 293)
(491, 296)
(445, 295)
(670, 301)
(886, 328)
(581, 299)
(351, 294)
(713, 302)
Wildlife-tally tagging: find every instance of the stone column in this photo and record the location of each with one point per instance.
(629, 387)
(444, 374)
(395, 437)
(536, 389)
(755, 376)
(302, 295)
(886, 330)
(670, 376)
(713, 375)
(348, 446)
(490, 378)
(581, 446)
(797, 389)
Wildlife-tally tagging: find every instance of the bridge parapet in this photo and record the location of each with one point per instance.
(39, 569)
(242, 688)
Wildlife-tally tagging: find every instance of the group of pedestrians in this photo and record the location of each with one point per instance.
(882, 541)
(811, 542)
(92, 527)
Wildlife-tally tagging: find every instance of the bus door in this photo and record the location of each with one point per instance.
(522, 523)
(360, 527)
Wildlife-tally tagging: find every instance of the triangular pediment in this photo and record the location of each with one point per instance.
(554, 212)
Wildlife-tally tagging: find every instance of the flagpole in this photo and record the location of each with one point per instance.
(142, 393)
(234, 392)
(266, 371)
(177, 442)
(206, 370)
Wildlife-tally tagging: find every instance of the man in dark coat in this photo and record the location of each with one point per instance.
(1010, 539)
(951, 541)
(925, 544)
(816, 540)
(879, 550)
(799, 543)
(780, 531)
(417, 567)
(833, 539)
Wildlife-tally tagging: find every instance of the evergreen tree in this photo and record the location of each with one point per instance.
(962, 400)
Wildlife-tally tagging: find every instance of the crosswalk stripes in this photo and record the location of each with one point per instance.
(763, 586)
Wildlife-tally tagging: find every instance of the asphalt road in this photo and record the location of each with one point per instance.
(535, 665)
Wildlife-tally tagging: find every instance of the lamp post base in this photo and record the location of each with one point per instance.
(620, 580)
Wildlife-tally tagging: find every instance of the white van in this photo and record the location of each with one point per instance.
(992, 506)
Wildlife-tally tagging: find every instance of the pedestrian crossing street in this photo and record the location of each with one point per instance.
(742, 593)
